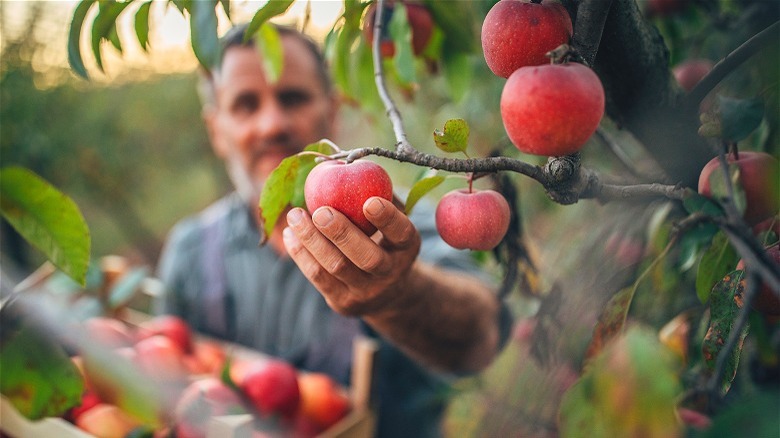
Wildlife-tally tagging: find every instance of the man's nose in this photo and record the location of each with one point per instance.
(272, 120)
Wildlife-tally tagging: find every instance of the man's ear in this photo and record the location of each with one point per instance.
(210, 119)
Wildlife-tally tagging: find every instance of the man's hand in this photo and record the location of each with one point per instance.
(357, 274)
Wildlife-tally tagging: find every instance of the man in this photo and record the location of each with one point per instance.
(320, 281)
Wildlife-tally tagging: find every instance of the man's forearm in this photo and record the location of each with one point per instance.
(445, 319)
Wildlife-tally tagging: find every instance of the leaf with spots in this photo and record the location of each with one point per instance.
(725, 304)
(454, 137)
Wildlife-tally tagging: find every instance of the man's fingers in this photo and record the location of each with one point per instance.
(395, 226)
(308, 264)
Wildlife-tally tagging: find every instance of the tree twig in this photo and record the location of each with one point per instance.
(731, 62)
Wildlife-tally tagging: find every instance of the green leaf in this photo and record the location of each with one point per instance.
(48, 219)
(401, 34)
(142, 25)
(226, 7)
(181, 5)
(694, 203)
(454, 137)
(306, 166)
(611, 321)
(719, 188)
(126, 287)
(269, 44)
(718, 260)
(341, 59)
(458, 73)
(456, 23)
(74, 38)
(225, 376)
(725, 304)
(268, 11)
(203, 32)
(104, 23)
(37, 376)
(751, 414)
(281, 186)
(420, 189)
(739, 117)
(629, 389)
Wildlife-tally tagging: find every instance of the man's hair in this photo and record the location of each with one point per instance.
(235, 37)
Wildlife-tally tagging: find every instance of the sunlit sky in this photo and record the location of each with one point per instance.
(169, 32)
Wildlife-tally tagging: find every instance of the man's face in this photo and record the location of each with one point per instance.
(255, 124)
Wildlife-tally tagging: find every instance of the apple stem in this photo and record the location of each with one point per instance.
(316, 154)
(734, 149)
(471, 181)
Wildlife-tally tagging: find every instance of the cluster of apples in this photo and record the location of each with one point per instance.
(420, 22)
(547, 109)
(187, 370)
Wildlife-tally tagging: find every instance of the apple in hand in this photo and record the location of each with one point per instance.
(552, 110)
(420, 23)
(759, 176)
(201, 400)
(767, 302)
(272, 388)
(346, 187)
(519, 33)
(170, 326)
(322, 400)
(476, 219)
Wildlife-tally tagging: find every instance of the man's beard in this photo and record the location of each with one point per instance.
(247, 188)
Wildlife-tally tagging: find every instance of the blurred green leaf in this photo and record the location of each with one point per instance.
(420, 189)
(458, 73)
(739, 117)
(694, 203)
(454, 137)
(629, 389)
(142, 25)
(268, 11)
(457, 24)
(47, 219)
(725, 304)
(718, 260)
(401, 34)
(752, 414)
(105, 22)
(226, 8)
(269, 44)
(37, 376)
(74, 38)
(203, 32)
(182, 5)
(611, 321)
(341, 65)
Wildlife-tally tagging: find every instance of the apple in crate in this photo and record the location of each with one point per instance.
(170, 326)
(272, 388)
(201, 400)
(323, 401)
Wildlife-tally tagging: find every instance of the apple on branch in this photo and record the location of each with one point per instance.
(346, 187)
(472, 219)
(420, 22)
(519, 33)
(552, 110)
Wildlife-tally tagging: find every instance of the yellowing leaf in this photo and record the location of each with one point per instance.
(454, 137)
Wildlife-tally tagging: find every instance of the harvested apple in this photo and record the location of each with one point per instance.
(272, 388)
(322, 400)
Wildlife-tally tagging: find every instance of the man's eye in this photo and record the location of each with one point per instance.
(292, 99)
(246, 103)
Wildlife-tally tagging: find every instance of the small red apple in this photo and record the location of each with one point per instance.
(159, 357)
(420, 22)
(695, 419)
(759, 176)
(552, 110)
(346, 187)
(767, 302)
(273, 388)
(170, 326)
(322, 400)
(210, 354)
(106, 421)
(201, 400)
(689, 72)
(109, 332)
(519, 33)
(476, 219)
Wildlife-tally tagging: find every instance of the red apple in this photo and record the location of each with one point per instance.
(202, 400)
(476, 219)
(759, 176)
(89, 399)
(519, 33)
(767, 302)
(273, 388)
(210, 354)
(109, 332)
(159, 357)
(170, 326)
(695, 419)
(106, 421)
(689, 72)
(346, 187)
(322, 400)
(420, 22)
(552, 110)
